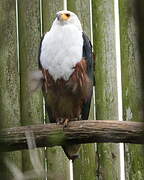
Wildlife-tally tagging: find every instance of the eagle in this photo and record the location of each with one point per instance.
(66, 66)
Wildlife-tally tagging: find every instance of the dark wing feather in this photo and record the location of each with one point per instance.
(88, 55)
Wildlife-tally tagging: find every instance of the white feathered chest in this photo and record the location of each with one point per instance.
(61, 50)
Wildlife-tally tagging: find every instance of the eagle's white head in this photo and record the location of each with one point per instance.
(65, 17)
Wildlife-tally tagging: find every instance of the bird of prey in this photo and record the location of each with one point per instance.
(66, 62)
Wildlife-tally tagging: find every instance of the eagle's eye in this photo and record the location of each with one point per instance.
(67, 14)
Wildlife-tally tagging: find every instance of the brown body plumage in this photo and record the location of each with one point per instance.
(65, 98)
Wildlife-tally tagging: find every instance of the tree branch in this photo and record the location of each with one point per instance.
(77, 132)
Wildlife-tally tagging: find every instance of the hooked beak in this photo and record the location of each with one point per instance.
(62, 17)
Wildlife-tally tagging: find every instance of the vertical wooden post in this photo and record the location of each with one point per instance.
(82, 9)
(84, 167)
(132, 42)
(9, 81)
(49, 9)
(106, 83)
(57, 162)
(29, 38)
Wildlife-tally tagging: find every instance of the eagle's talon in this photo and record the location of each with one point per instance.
(58, 123)
(61, 120)
(65, 123)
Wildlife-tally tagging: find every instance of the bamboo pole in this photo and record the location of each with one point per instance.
(82, 9)
(9, 81)
(29, 37)
(77, 132)
(106, 83)
(49, 9)
(84, 167)
(132, 45)
(57, 162)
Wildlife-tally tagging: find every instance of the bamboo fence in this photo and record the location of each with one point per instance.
(22, 24)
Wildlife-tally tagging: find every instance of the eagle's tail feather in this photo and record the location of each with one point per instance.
(72, 151)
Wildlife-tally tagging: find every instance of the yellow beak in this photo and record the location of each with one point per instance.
(64, 17)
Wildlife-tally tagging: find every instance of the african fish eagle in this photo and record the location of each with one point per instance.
(66, 63)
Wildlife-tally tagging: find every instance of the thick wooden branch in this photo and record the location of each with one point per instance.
(77, 132)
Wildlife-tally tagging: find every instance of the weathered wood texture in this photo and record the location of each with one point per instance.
(77, 132)
(9, 80)
(132, 46)
(29, 38)
(49, 9)
(57, 162)
(82, 9)
(84, 167)
(106, 83)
